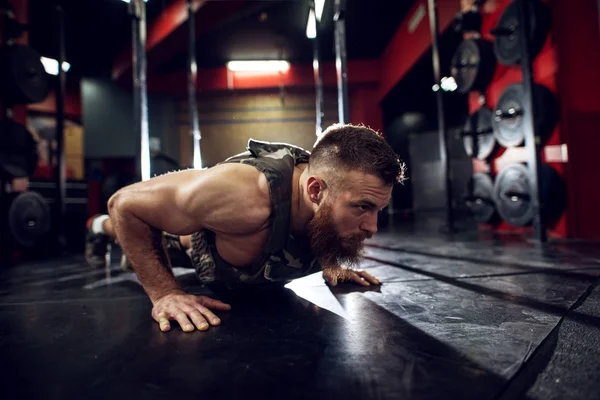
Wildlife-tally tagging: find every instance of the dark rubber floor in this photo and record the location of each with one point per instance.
(464, 317)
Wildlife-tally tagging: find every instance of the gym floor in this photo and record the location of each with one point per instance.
(460, 317)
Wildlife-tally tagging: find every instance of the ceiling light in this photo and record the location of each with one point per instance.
(311, 26)
(129, 1)
(51, 66)
(258, 66)
(319, 5)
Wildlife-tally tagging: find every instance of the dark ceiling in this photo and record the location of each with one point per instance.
(97, 31)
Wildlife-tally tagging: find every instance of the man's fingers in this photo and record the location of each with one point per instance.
(368, 277)
(357, 278)
(163, 322)
(184, 322)
(214, 304)
(198, 320)
(212, 318)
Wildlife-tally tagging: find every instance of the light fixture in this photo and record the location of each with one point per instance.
(449, 84)
(51, 66)
(319, 5)
(258, 66)
(311, 26)
(129, 1)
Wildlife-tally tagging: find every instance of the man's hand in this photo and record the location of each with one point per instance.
(334, 275)
(183, 307)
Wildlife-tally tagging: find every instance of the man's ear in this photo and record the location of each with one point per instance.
(315, 188)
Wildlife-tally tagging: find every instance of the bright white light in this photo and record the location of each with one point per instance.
(319, 5)
(435, 88)
(311, 26)
(449, 84)
(51, 66)
(258, 66)
(128, 1)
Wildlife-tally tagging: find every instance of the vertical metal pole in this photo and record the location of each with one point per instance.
(341, 61)
(532, 138)
(192, 80)
(60, 175)
(444, 158)
(317, 74)
(137, 9)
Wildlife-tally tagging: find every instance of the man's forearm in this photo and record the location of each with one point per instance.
(143, 246)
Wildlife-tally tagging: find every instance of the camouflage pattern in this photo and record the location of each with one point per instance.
(285, 257)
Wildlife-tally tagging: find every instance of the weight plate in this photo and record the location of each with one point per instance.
(508, 122)
(473, 65)
(24, 79)
(28, 218)
(512, 194)
(507, 45)
(18, 150)
(479, 126)
(480, 198)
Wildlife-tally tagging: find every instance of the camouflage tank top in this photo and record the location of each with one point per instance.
(285, 257)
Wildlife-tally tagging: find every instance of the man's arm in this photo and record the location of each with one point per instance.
(232, 198)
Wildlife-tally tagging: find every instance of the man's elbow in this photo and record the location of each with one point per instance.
(116, 202)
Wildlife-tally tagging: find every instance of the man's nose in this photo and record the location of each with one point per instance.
(369, 225)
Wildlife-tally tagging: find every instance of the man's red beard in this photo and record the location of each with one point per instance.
(328, 246)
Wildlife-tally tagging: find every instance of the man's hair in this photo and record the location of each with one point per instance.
(344, 148)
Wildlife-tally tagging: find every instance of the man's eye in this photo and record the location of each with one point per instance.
(362, 207)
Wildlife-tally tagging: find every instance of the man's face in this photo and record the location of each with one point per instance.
(346, 218)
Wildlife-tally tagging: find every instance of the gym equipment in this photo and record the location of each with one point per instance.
(508, 115)
(480, 198)
(18, 150)
(341, 61)
(432, 6)
(473, 65)
(137, 11)
(478, 134)
(507, 41)
(513, 194)
(28, 218)
(318, 75)
(192, 81)
(23, 78)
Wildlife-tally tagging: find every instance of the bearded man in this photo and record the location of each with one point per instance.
(257, 220)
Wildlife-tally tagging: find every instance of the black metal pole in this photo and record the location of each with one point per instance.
(137, 9)
(192, 80)
(444, 158)
(60, 175)
(318, 75)
(532, 138)
(341, 59)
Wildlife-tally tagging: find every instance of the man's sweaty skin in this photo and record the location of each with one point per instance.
(232, 200)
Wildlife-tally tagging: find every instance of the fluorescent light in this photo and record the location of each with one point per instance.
(51, 66)
(258, 66)
(128, 1)
(319, 5)
(311, 26)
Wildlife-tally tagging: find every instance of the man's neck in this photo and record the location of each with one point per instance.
(302, 211)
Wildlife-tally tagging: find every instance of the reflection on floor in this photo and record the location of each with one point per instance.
(460, 317)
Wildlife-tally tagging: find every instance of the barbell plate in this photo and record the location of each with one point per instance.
(28, 218)
(507, 45)
(24, 79)
(512, 193)
(473, 65)
(480, 198)
(18, 150)
(509, 116)
(479, 124)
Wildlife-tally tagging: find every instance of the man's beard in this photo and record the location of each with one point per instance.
(330, 249)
